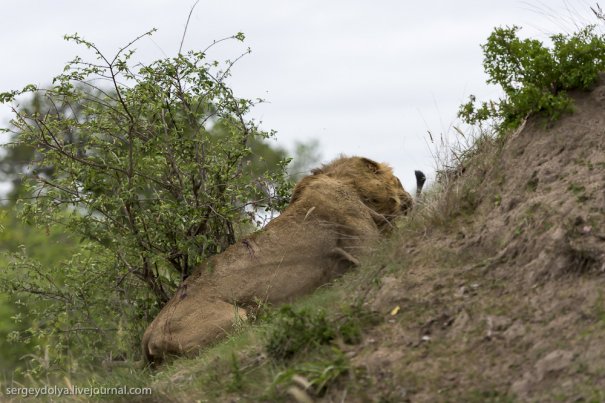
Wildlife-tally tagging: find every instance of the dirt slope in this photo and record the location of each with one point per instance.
(493, 289)
(500, 284)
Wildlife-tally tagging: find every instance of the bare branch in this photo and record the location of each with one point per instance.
(187, 25)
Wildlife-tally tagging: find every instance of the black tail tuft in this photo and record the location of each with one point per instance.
(420, 179)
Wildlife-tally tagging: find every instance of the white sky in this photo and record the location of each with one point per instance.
(363, 77)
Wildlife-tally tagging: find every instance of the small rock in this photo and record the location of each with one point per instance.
(389, 294)
(558, 235)
(515, 331)
(460, 323)
(553, 362)
(496, 324)
(461, 291)
(521, 387)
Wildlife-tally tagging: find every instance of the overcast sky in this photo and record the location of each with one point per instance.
(363, 77)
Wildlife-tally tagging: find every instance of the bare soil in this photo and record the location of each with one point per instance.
(504, 299)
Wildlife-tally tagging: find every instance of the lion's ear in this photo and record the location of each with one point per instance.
(372, 165)
(295, 194)
(299, 188)
(317, 171)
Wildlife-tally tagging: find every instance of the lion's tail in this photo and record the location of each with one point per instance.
(420, 179)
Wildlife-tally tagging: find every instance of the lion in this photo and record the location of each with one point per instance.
(335, 215)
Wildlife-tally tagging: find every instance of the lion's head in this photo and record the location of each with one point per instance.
(374, 182)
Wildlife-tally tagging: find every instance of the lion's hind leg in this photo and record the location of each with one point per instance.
(195, 325)
(221, 320)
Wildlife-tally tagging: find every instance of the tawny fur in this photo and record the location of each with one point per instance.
(335, 215)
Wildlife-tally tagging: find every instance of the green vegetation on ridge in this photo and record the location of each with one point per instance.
(534, 77)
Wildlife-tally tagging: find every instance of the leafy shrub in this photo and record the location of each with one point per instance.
(293, 331)
(80, 311)
(153, 164)
(150, 166)
(535, 78)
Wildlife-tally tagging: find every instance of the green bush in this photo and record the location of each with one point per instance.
(150, 167)
(534, 77)
(293, 331)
